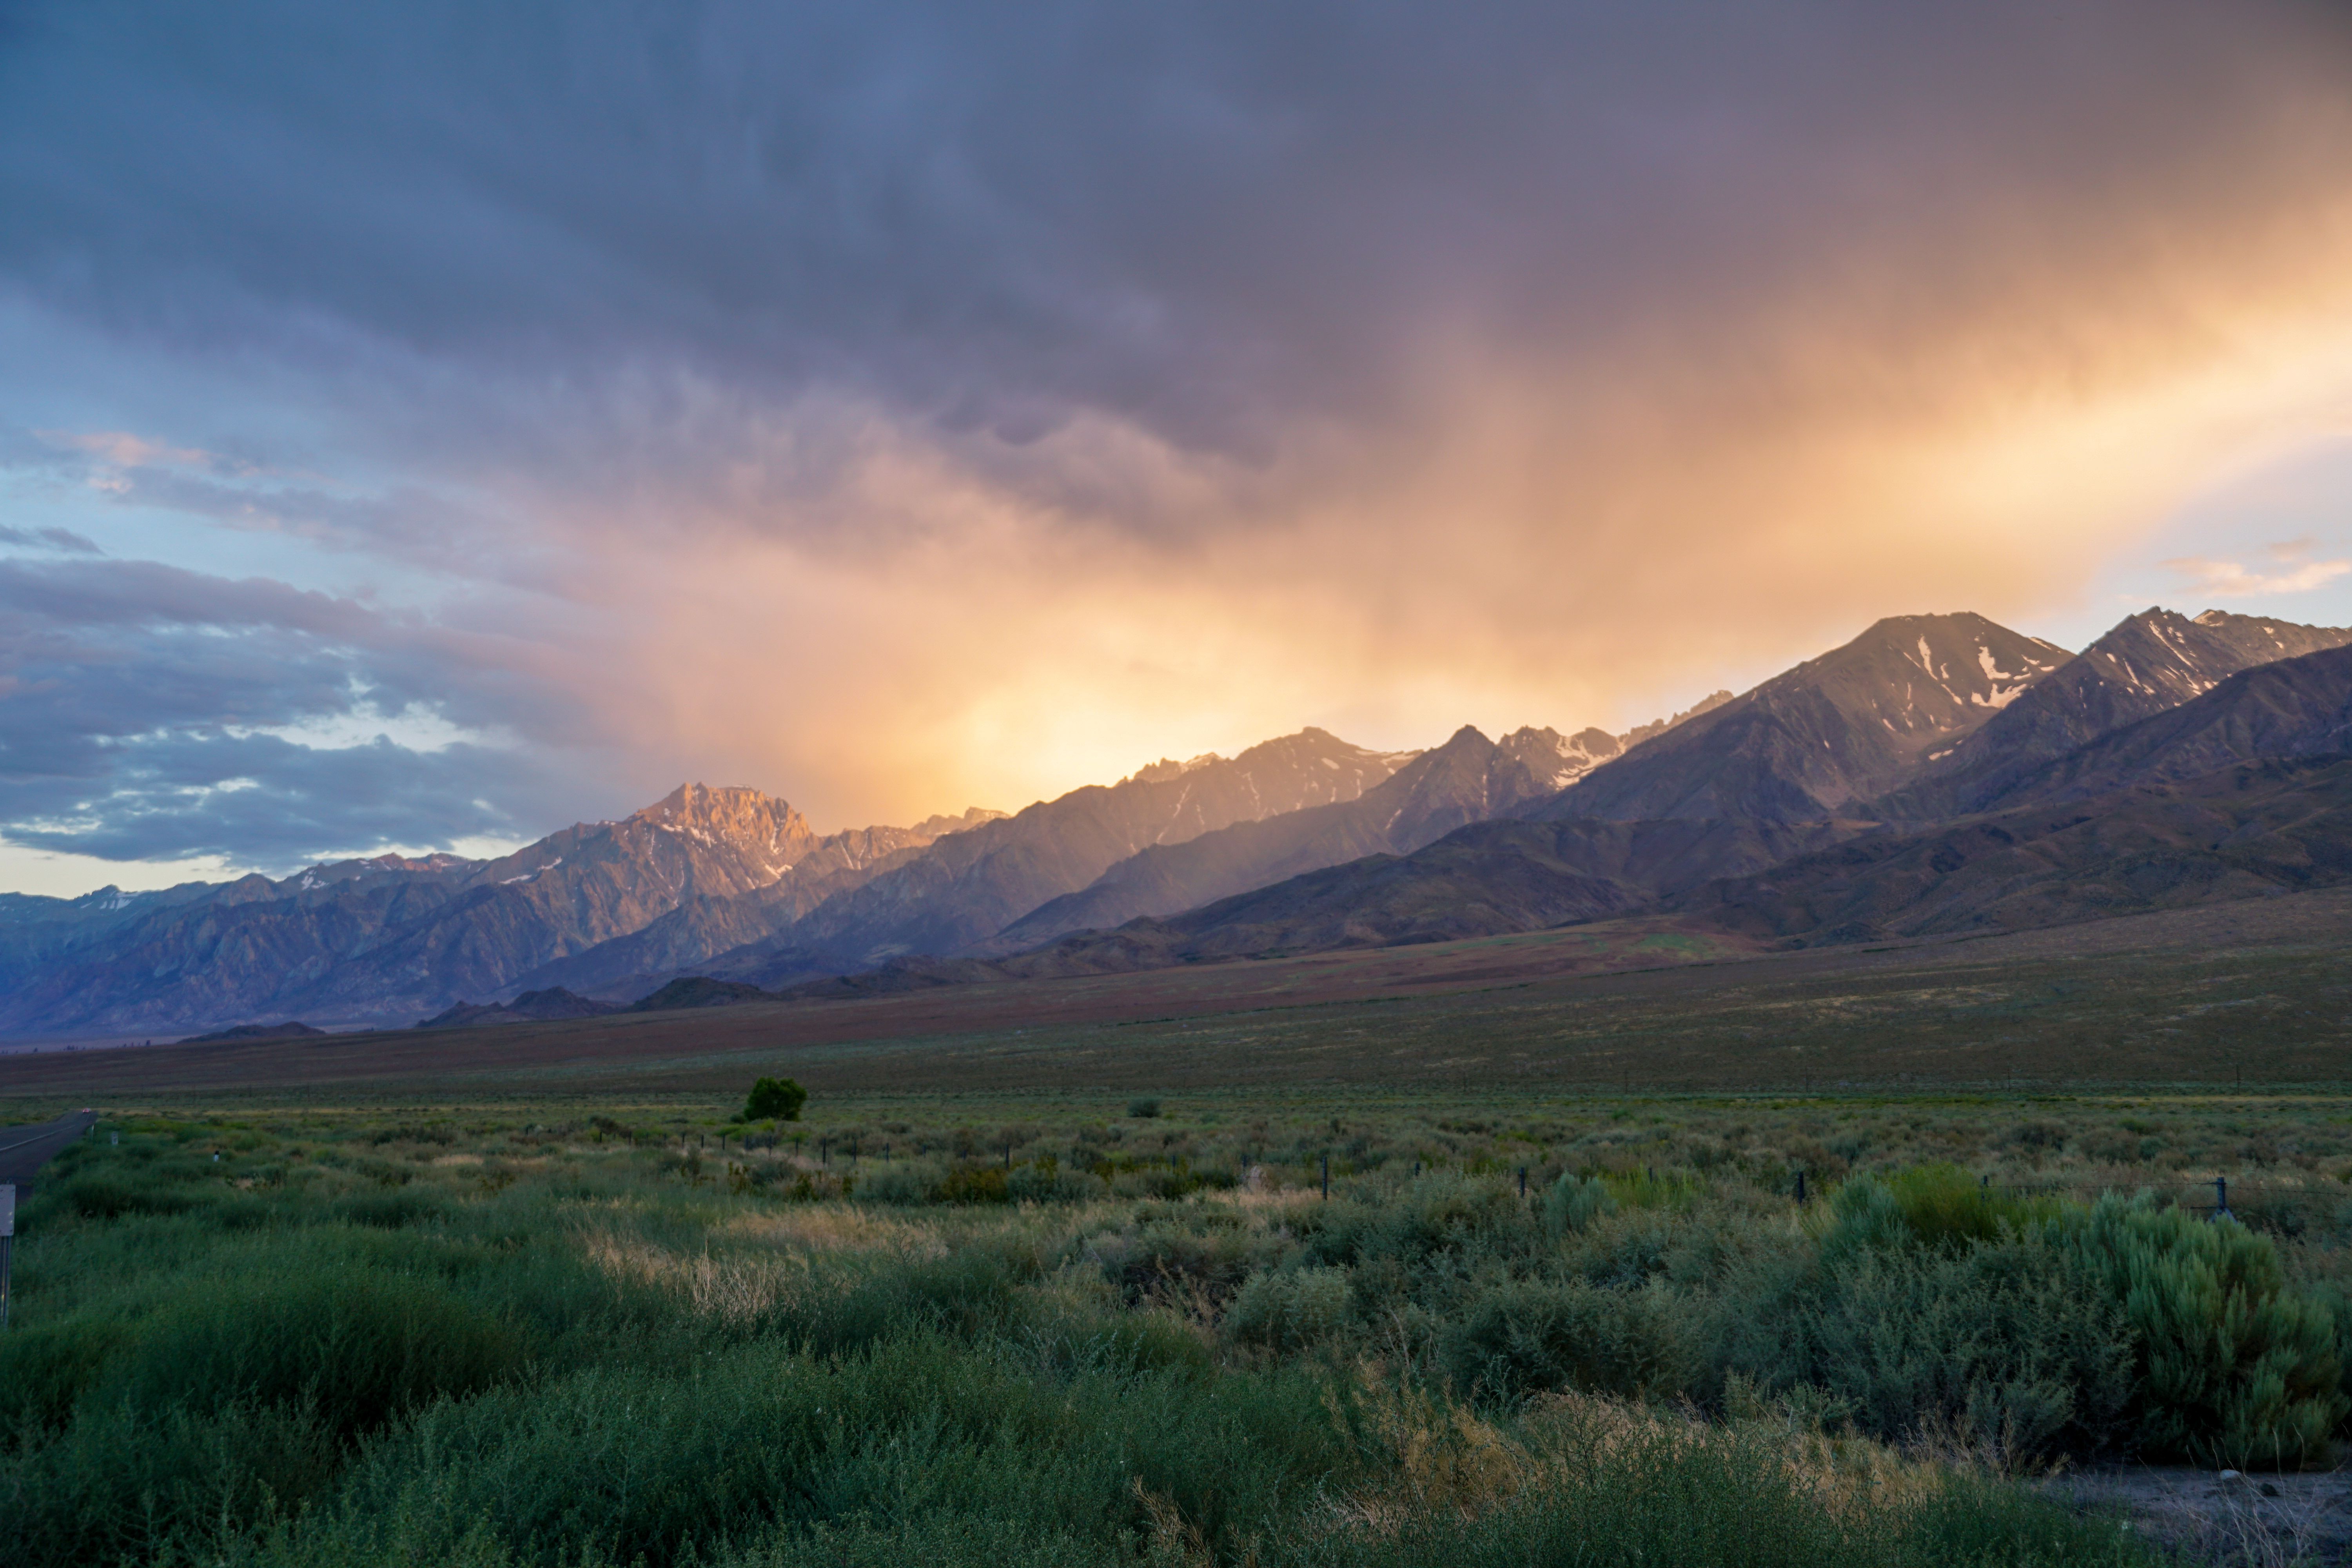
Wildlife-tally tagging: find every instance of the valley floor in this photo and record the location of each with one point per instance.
(2252, 992)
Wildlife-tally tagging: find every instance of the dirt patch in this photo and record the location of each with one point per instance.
(2225, 1516)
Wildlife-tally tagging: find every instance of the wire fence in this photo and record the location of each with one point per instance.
(2228, 1195)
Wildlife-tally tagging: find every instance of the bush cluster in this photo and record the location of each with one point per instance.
(478, 1341)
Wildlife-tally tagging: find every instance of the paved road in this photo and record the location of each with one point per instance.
(25, 1149)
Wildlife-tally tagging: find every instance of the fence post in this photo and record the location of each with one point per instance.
(1800, 1187)
(1522, 1184)
(2221, 1198)
(1327, 1178)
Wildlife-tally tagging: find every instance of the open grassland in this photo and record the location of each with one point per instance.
(1080, 1329)
(2258, 992)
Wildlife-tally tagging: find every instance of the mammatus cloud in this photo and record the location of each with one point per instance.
(899, 406)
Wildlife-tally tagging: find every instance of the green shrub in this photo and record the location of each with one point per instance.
(1172, 1261)
(98, 1195)
(1044, 1181)
(44, 1367)
(387, 1210)
(1448, 1217)
(2232, 1369)
(125, 1485)
(1289, 1309)
(1532, 1336)
(2008, 1346)
(976, 1184)
(760, 1446)
(1144, 1110)
(1574, 1202)
(357, 1346)
(898, 1186)
(1620, 1491)
(1650, 1189)
(1947, 1207)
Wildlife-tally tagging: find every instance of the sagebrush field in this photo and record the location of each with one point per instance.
(1092, 1328)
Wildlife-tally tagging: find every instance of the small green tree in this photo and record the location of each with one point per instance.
(775, 1099)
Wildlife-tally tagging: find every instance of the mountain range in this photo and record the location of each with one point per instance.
(1936, 774)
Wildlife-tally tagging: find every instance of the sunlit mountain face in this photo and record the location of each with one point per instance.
(2176, 761)
(420, 430)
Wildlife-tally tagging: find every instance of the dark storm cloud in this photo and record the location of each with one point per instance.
(1214, 220)
(130, 695)
(1403, 321)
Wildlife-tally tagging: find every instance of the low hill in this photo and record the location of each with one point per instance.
(530, 1007)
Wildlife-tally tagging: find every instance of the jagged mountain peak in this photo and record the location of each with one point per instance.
(1976, 662)
(1838, 728)
(1557, 761)
(1467, 779)
(1309, 748)
(2147, 663)
(1655, 726)
(727, 812)
(760, 832)
(1313, 748)
(941, 825)
(1168, 768)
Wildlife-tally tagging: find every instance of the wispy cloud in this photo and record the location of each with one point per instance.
(123, 449)
(61, 539)
(2291, 574)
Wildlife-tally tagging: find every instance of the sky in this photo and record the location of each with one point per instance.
(423, 426)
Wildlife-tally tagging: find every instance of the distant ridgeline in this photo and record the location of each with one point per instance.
(1937, 773)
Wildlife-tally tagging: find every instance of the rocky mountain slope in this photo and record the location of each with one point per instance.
(2232, 788)
(1822, 739)
(2161, 825)
(1484, 879)
(1468, 779)
(2149, 663)
(2239, 832)
(709, 925)
(372, 938)
(972, 885)
(2292, 709)
(1851, 794)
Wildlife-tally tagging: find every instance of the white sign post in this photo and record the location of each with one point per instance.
(8, 1243)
